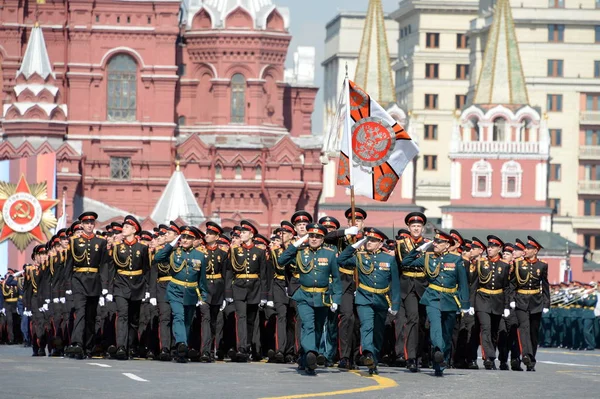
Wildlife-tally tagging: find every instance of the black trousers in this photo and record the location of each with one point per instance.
(399, 331)
(507, 339)
(528, 332)
(348, 327)
(209, 315)
(85, 308)
(281, 327)
(489, 334)
(164, 325)
(128, 321)
(245, 316)
(414, 331)
(226, 327)
(11, 310)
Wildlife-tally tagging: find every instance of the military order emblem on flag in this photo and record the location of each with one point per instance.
(379, 147)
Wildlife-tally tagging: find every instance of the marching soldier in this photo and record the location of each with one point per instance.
(378, 282)
(87, 271)
(247, 287)
(8, 303)
(447, 292)
(588, 303)
(530, 297)
(330, 340)
(491, 298)
(187, 288)
(316, 264)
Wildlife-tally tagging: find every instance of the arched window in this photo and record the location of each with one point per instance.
(511, 179)
(475, 136)
(121, 90)
(258, 172)
(482, 179)
(238, 171)
(499, 129)
(218, 172)
(238, 98)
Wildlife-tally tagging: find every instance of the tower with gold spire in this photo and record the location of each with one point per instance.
(373, 74)
(500, 143)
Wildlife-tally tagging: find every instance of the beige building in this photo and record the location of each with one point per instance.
(439, 49)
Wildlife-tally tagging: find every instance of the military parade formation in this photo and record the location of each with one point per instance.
(315, 294)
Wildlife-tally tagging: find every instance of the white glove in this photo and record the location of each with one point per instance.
(334, 307)
(109, 297)
(69, 292)
(359, 243)
(104, 291)
(228, 300)
(223, 306)
(55, 300)
(471, 311)
(270, 304)
(262, 303)
(425, 247)
(506, 312)
(584, 296)
(512, 305)
(300, 241)
(143, 299)
(101, 301)
(45, 307)
(545, 310)
(25, 311)
(174, 242)
(3, 311)
(47, 300)
(147, 296)
(152, 301)
(351, 231)
(29, 314)
(392, 312)
(41, 309)
(200, 303)
(63, 299)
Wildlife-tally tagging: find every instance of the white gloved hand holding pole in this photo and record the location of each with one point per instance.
(351, 231)
(300, 241)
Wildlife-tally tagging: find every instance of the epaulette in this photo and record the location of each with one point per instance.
(115, 243)
(202, 249)
(454, 253)
(329, 249)
(101, 237)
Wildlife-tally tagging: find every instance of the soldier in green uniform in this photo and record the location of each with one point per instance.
(316, 264)
(187, 288)
(588, 303)
(330, 339)
(447, 292)
(379, 281)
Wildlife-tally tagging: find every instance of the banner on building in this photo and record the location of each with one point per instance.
(374, 149)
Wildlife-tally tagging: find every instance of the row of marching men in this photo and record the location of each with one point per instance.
(332, 292)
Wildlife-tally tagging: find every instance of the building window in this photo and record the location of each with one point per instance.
(258, 172)
(460, 101)
(499, 129)
(238, 171)
(118, 20)
(462, 71)
(431, 132)
(554, 204)
(591, 207)
(238, 98)
(556, 137)
(597, 69)
(555, 172)
(597, 33)
(556, 3)
(122, 90)
(511, 179)
(128, 20)
(482, 179)
(554, 102)
(181, 121)
(592, 102)
(462, 41)
(120, 168)
(591, 172)
(592, 137)
(433, 40)
(592, 241)
(556, 33)
(432, 71)
(430, 162)
(431, 101)
(555, 68)
(218, 172)
(97, 18)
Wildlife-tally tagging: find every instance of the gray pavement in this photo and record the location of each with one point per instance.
(560, 374)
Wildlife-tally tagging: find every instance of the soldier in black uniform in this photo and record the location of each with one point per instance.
(130, 269)
(246, 285)
(491, 298)
(507, 331)
(39, 287)
(56, 261)
(530, 297)
(215, 302)
(9, 297)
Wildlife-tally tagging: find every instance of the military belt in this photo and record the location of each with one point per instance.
(279, 277)
(85, 269)
(163, 279)
(374, 290)
(11, 299)
(585, 307)
(314, 289)
(187, 284)
(346, 271)
(529, 292)
(443, 289)
(214, 276)
(130, 272)
(490, 292)
(247, 276)
(414, 274)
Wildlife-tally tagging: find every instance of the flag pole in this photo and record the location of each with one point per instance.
(350, 151)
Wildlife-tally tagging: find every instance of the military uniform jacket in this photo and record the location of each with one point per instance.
(87, 265)
(160, 275)
(130, 270)
(57, 264)
(315, 267)
(337, 239)
(412, 278)
(188, 274)
(444, 273)
(33, 281)
(9, 294)
(378, 275)
(530, 289)
(216, 271)
(44, 283)
(471, 265)
(246, 278)
(492, 286)
(278, 289)
(588, 304)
